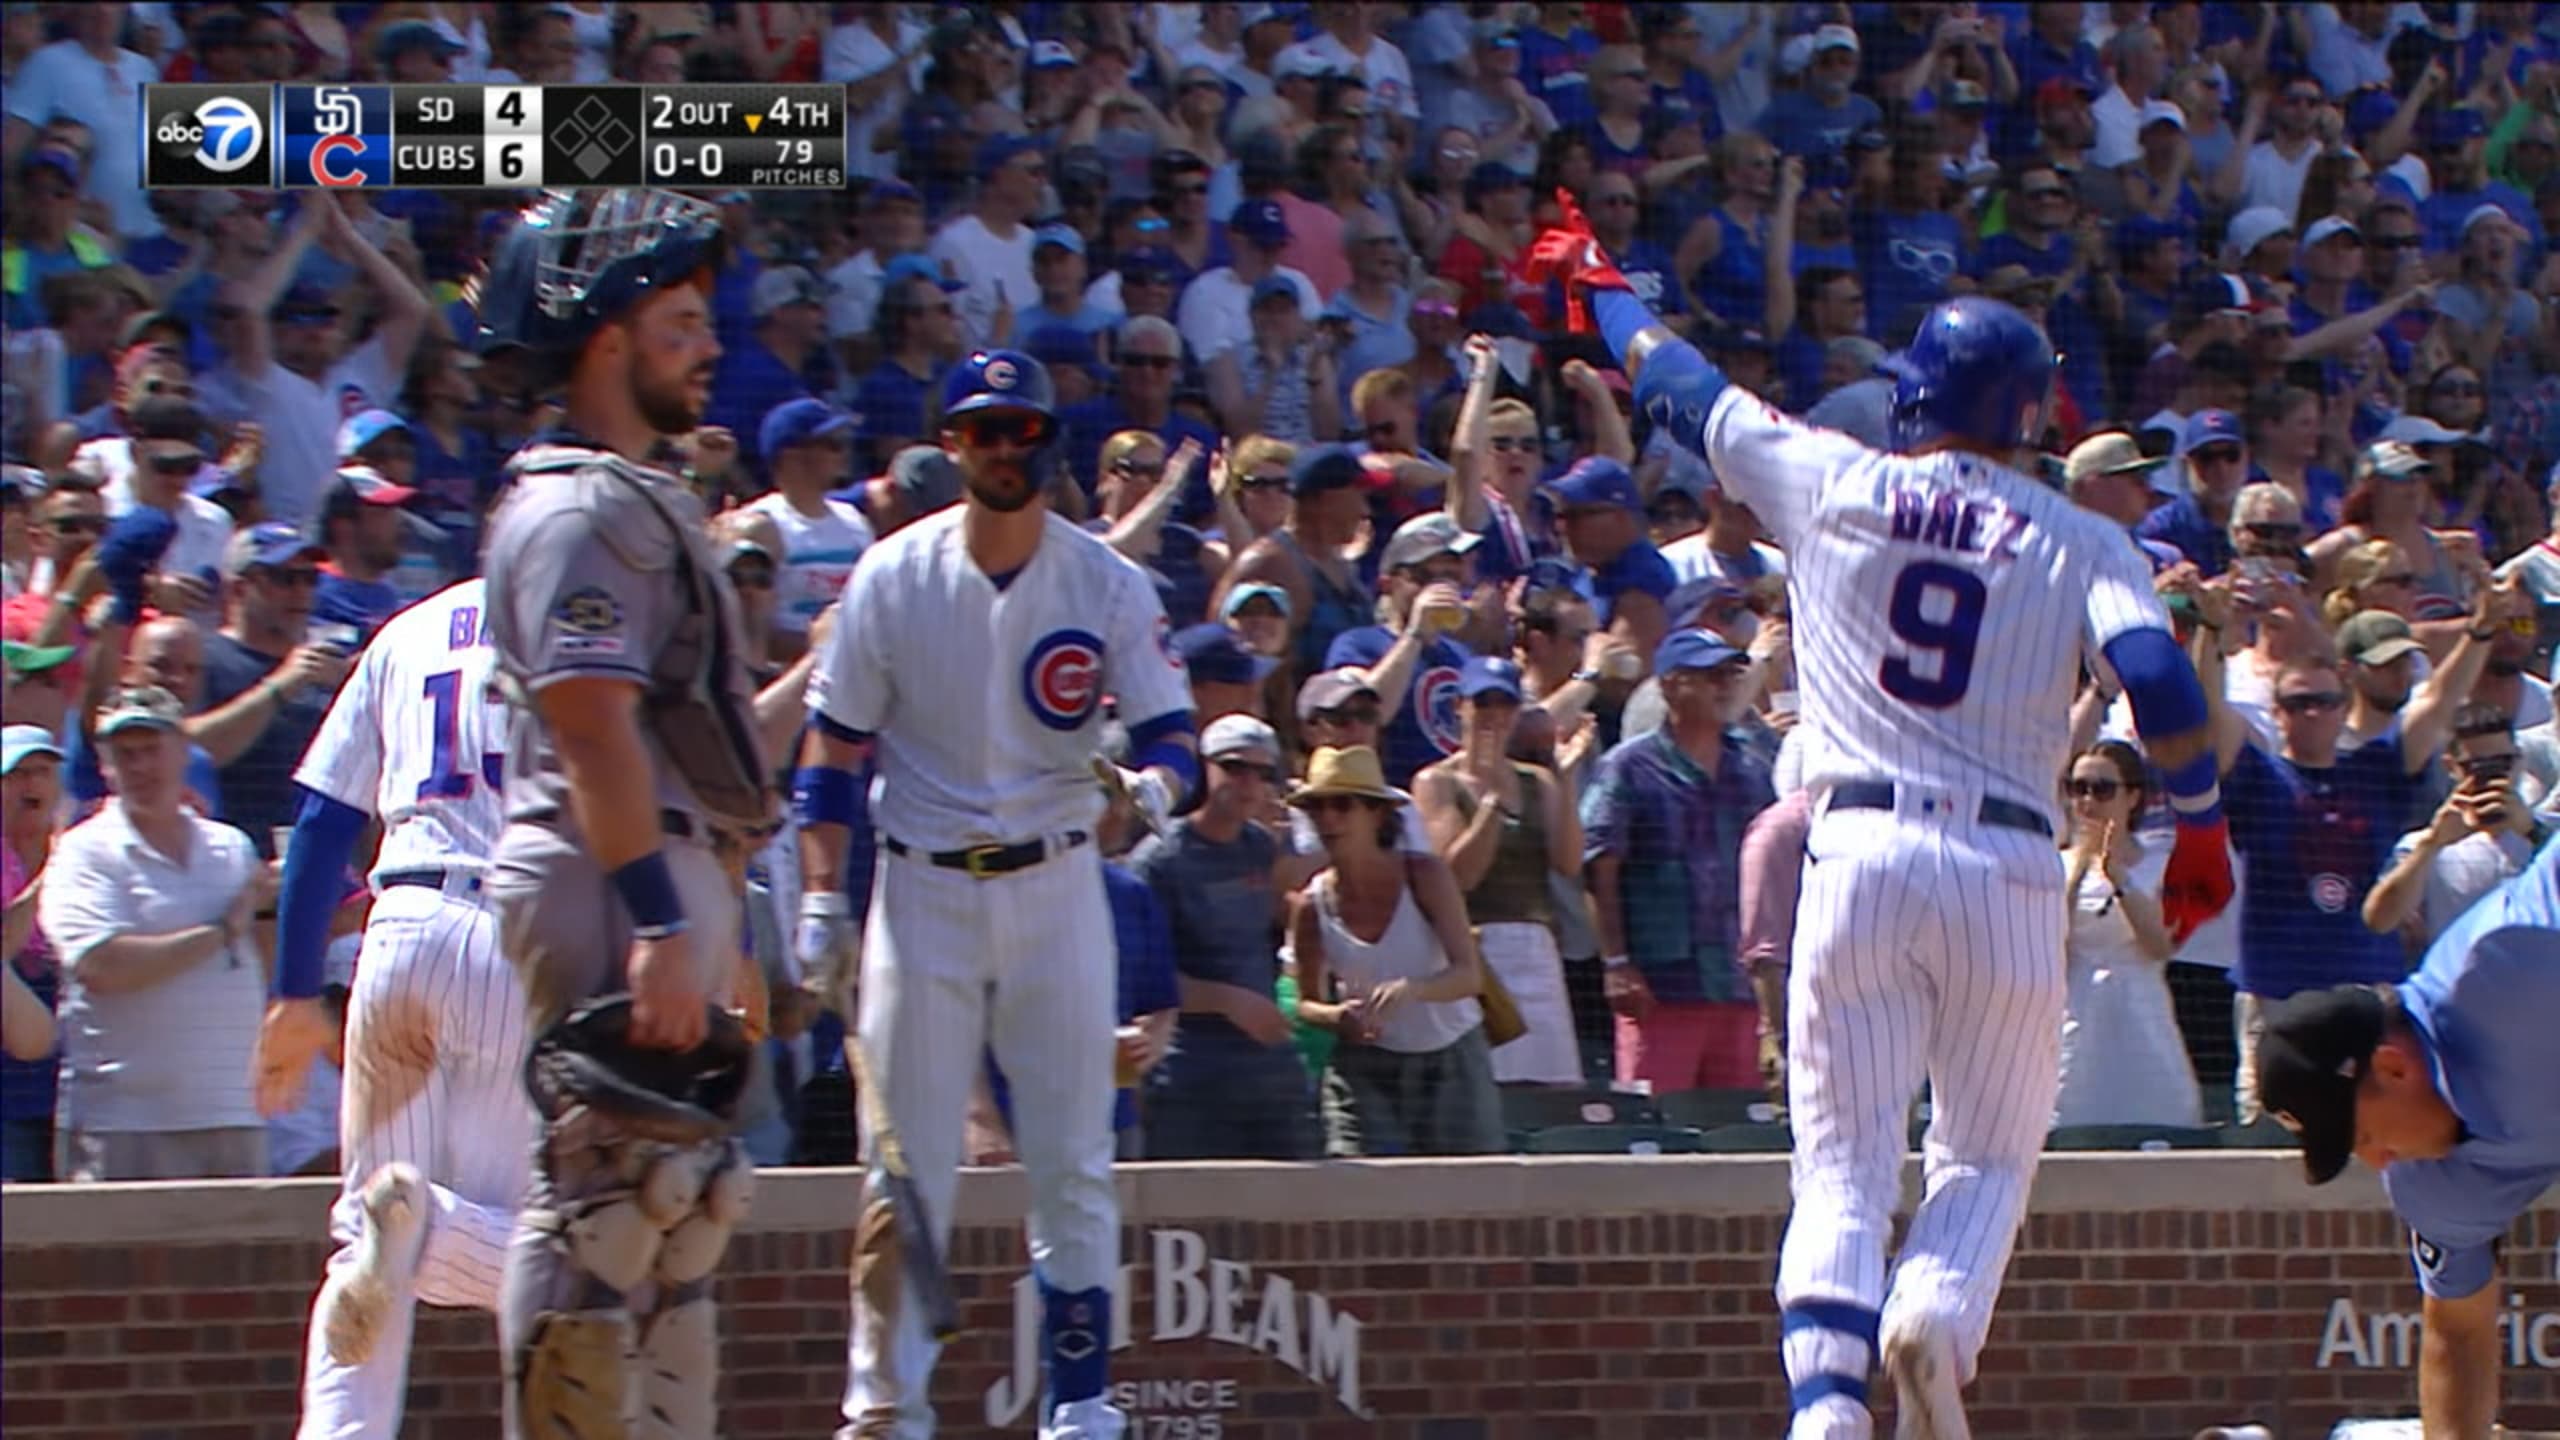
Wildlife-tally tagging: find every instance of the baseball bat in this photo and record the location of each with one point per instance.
(922, 1262)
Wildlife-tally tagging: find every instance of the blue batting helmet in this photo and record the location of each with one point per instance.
(575, 260)
(1976, 370)
(1001, 380)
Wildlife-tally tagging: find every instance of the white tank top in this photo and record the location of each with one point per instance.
(1407, 951)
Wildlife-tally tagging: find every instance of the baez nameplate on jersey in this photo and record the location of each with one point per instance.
(501, 137)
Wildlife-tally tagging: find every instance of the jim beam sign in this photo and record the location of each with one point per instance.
(1198, 1297)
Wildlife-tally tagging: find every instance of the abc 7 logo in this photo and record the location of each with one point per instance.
(225, 134)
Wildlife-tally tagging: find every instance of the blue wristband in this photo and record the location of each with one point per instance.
(649, 893)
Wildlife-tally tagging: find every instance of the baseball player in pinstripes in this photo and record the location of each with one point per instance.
(1944, 605)
(434, 1125)
(973, 651)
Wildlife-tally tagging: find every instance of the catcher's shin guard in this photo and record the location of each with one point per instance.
(609, 1324)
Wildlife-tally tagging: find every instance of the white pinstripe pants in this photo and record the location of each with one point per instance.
(435, 1077)
(1921, 949)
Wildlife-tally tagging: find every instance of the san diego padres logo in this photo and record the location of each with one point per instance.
(1062, 681)
(1435, 700)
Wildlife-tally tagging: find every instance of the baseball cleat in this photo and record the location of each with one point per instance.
(358, 1296)
(1928, 1391)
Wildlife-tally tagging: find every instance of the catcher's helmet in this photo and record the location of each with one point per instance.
(577, 259)
(1001, 380)
(1977, 370)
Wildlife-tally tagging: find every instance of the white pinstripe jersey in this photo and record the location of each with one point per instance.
(988, 702)
(1941, 604)
(416, 738)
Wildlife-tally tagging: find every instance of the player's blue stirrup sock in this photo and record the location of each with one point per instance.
(1075, 1334)
(1829, 1346)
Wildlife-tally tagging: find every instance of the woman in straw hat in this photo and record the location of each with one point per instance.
(1385, 959)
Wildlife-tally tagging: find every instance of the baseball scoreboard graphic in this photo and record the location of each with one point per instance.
(493, 137)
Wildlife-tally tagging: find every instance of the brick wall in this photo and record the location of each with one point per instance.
(2151, 1295)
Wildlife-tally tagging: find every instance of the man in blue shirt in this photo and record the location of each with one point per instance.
(1601, 514)
(1819, 119)
(2198, 523)
(772, 365)
(1427, 572)
(2444, 1083)
(2458, 145)
(2316, 819)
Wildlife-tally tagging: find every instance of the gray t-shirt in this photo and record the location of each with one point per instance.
(583, 582)
(1223, 911)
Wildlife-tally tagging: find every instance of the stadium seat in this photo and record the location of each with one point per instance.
(1708, 1109)
(1615, 1140)
(2131, 1137)
(1749, 1140)
(1532, 1107)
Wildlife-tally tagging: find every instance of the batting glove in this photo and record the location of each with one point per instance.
(1151, 795)
(2197, 884)
(828, 942)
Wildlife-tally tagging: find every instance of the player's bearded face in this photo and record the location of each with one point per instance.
(672, 351)
(995, 450)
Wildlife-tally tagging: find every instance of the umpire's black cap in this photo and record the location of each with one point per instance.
(2315, 1052)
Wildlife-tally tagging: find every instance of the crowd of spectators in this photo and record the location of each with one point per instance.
(1494, 680)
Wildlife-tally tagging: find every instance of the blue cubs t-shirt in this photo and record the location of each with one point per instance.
(2316, 841)
(1426, 725)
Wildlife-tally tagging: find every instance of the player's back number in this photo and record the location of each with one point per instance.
(1936, 610)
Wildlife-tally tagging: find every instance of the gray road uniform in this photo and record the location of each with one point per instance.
(599, 567)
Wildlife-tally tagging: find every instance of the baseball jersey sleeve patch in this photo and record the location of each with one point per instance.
(589, 622)
(1062, 678)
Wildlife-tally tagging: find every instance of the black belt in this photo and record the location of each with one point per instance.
(674, 822)
(469, 883)
(1881, 795)
(983, 861)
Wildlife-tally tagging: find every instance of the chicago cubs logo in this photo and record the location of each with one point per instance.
(2331, 893)
(352, 401)
(1435, 705)
(1001, 374)
(1062, 680)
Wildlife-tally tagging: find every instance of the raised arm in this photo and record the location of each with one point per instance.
(2426, 722)
(1467, 458)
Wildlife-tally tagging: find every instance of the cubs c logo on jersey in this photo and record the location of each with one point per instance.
(1435, 707)
(1062, 680)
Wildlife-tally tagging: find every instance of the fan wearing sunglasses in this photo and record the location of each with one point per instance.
(167, 456)
(2123, 1060)
(2315, 815)
(2483, 834)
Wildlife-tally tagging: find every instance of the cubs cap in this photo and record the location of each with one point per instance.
(1239, 735)
(1595, 480)
(1052, 55)
(409, 35)
(926, 476)
(1490, 675)
(1692, 601)
(17, 742)
(1333, 689)
(2317, 1047)
(1064, 237)
(1214, 653)
(2210, 427)
(2113, 453)
(1260, 221)
(1693, 650)
(2376, 637)
(1835, 37)
(797, 422)
(1273, 287)
(1424, 536)
(266, 546)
